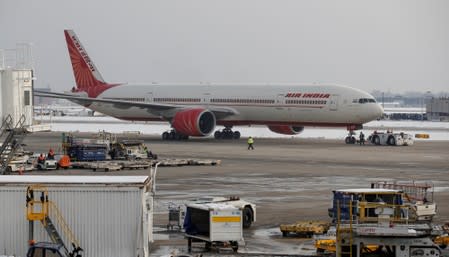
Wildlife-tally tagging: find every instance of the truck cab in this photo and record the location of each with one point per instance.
(46, 249)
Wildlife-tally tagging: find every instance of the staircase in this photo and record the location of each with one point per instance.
(345, 244)
(12, 136)
(51, 219)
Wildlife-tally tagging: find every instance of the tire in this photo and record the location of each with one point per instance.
(235, 246)
(347, 140)
(8, 170)
(352, 140)
(376, 140)
(247, 217)
(208, 246)
(165, 136)
(172, 135)
(236, 135)
(392, 140)
(217, 135)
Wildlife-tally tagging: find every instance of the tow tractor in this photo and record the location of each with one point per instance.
(390, 138)
(39, 210)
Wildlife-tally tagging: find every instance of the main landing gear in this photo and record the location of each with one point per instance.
(350, 139)
(227, 133)
(172, 135)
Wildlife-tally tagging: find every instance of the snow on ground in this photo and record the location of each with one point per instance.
(436, 130)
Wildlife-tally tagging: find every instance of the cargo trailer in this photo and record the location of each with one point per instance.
(215, 224)
(111, 216)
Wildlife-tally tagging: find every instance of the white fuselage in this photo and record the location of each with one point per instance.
(301, 105)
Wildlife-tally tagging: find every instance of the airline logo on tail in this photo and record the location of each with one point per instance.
(88, 78)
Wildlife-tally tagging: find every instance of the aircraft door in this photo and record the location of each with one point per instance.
(333, 105)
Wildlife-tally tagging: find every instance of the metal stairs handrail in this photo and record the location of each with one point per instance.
(41, 209)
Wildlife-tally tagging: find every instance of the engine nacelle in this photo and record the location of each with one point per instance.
(194, 122)
(286, 130)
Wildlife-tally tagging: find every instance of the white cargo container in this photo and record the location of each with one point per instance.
(111, 216)
(216, 224)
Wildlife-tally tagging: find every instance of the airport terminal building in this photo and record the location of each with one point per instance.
(438, 109)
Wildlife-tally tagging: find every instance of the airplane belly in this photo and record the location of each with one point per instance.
(133, 113)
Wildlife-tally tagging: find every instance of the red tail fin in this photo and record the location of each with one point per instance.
(88, 78)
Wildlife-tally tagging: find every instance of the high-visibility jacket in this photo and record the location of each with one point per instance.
(250, 140)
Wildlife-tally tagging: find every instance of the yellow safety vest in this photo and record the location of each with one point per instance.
(250, 141)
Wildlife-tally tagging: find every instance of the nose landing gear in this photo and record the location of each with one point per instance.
(227, 133)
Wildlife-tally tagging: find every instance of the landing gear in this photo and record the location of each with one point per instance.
(350, 139)
(172, 135)
(227, 133)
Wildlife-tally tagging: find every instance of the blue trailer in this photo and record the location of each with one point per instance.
(87, 152)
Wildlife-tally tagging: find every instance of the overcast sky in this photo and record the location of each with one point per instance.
(381, 44)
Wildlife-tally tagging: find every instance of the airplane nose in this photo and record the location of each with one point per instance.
(379, 111)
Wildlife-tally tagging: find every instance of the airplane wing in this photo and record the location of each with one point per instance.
(165, 110)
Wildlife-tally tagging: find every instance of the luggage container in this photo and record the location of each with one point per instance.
(215, 224)
(112, 216)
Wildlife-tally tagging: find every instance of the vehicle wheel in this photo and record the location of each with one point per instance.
(347, 140)
(376, 140)
(8, 170)
(352, 140)
(236, 135)
(235, 246)
(208, 246)
(284, 233)
(217, 134)
(172, 135)
(165, 136)
(247, 217)
(391, 141)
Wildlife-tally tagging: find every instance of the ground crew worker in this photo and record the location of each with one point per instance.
(41, 159)
(362, 138)
(51, 154)
(250, 143)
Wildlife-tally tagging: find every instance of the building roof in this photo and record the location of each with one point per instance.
(77, 180)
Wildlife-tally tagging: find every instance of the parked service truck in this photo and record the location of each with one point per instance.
(215, 224)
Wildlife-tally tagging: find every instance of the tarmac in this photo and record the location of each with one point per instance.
(288, 179)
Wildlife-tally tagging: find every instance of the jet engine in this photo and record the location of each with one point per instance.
(194, 122)
(286, 129)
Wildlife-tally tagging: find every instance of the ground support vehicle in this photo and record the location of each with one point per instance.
(215, 224)
(305, 228)
(378, 218)
(83, 149)
(20, 163)
(418, 195)
(390, 138)
(176, 216)
(248, 209)
(48, 164)
(130, 149)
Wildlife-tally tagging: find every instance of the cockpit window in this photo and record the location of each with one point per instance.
(366, 100)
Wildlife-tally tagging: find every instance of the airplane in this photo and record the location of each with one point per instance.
(194, 110)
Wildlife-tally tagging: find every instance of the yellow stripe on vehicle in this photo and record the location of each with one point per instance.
(226, 219)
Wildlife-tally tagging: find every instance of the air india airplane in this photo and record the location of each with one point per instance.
(196, 109)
